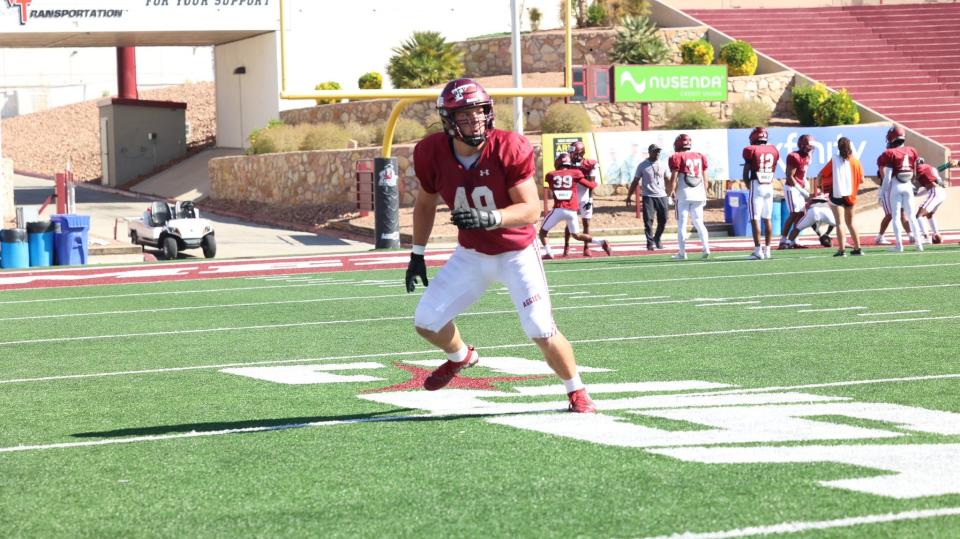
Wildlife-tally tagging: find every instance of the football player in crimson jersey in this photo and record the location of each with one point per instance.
(928, 178)
(795, 186)
(688, 175)
(818, 212)
(564, 182)
(898, 168)
(759, 165)
(590, 169)
(485, 176)
(895, 138)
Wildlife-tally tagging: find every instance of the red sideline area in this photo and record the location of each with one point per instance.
(211, 269)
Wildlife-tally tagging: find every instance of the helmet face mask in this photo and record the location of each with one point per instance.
(896, 136)
(682, 143)
(758, 136)
(454, 106)
(577, 151)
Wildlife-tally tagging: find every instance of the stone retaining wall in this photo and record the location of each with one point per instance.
(314, 177)
(543, 51)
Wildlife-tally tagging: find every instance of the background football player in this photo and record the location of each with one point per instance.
(795, 190)
(590, 169)
(760, 163)
(898, 168)
(817, 213)
(564, 183)
(929, 180)
(688, 175)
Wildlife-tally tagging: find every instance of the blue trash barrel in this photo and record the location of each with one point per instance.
(70, 244)
(741, 221)
(40, 239)
(15, 253)
(735, 198)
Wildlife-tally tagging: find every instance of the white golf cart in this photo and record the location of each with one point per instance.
(172, 228)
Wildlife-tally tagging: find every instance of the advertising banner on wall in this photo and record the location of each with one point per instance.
(622, 151)
(34, 16)
(556, 143)
(654, 83)
(867, 141)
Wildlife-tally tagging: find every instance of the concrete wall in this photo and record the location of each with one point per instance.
(140, 138)
(246, 102)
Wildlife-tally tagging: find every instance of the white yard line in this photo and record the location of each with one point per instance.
(640, 299)
(805, 526)
(726, 304)
(781, 306)
(530, 344)
(832, 309)
(895, 312)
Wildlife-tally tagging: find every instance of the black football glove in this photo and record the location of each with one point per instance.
(588, 206)
(416, 268)
(472, 218)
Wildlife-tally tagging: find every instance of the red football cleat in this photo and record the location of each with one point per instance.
(442, 375)
(580, 402)
(606, 247)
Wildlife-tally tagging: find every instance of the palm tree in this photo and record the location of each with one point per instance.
(424, 60)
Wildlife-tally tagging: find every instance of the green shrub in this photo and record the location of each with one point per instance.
(252, 137)
(535, 16)
(806, 100)
(629, 8)
(837, 109)
(329, 85)
(691, 116)
(281, 138)
(323, 137)
(749, 114)
(503, 116)
(365, 135)
(406, 130)
(566, 118)
(424, 60)
(638, 42)
(578, 12)
(597, 14)
(370, 81)
(740, 58)
(697, 52)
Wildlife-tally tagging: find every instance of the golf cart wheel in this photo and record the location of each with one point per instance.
(170, 248)
(209, 246)
(134, 238)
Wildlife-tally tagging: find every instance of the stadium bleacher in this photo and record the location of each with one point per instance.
(902, 61)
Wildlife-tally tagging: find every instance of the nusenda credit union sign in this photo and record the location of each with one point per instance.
(654, 83)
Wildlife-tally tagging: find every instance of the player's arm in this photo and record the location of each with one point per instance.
(633, 188)
(790, 170)
(587, 183)
(672, 183)
(525, 209)
(424, 214)
(947, 165)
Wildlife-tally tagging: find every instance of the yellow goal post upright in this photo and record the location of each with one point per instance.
(410, 95)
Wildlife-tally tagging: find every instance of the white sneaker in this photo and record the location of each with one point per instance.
(882, 241)
(766, 252)
(756, 255)
(920, 247)
(705, 254)
(679, 256)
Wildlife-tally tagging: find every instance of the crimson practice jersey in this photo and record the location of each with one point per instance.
(901, 161)
(506, 159)
(565, 185)
(690, 164)
(762, 161)
(927, 176)
(800, 164)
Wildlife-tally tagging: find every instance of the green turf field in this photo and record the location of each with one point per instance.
(803, 394)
